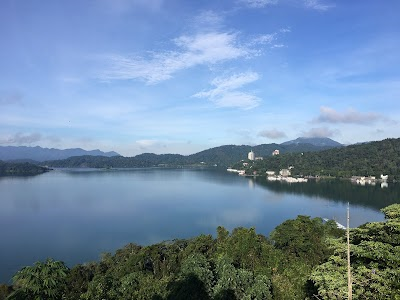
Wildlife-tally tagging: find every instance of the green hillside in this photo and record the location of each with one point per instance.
(222, 156)
(369, 159)
(17, 169)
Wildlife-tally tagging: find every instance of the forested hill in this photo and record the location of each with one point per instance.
(221, 156)
(16, 169)
(370, 159)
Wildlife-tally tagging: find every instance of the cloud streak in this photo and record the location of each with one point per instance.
(319, 132)
(21, 138)
(272, 134)
(226, 91)
(201, 49)
(351, 116)
(318, 5)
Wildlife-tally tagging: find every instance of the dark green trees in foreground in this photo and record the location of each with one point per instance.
(375, 262)
(302, 259)
(41, 281)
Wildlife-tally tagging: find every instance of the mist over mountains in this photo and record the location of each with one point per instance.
(39, 154)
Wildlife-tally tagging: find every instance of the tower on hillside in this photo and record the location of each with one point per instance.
(251, 155)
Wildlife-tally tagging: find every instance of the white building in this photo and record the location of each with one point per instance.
(285, 172)
(251, 155)
(275, 152)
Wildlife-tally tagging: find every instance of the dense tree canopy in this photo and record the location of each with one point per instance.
(375, 261)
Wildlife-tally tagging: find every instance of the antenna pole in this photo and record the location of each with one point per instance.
(349, 284)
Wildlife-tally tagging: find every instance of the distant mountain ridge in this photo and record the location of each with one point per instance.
(15, 153)
(316, 141)
(222, 156)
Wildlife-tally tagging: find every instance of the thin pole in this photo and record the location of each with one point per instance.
(349, 284)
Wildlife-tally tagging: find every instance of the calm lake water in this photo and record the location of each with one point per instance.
(75, 215)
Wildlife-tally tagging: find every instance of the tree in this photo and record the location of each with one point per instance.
(375, 261)
(41, 281)
(304, 238)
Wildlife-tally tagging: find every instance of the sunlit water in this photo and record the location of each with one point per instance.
(75, 215)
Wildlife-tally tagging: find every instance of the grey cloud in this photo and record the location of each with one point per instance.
(272, 134)
(320, 132)
(351, 116)
(21, 138)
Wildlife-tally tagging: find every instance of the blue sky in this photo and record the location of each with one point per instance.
(174, 76)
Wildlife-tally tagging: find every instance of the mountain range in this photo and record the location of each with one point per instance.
(39, 154)
(224, 155)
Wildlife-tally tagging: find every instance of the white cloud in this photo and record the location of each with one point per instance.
(200, 49)
(258, 3)
(264, 39)
(272, 134)
(147, 143)
(319, 132)
(351, 116)
(285, 30)
(318, 5)
(226, 94)
(20, 138)
(207, 20)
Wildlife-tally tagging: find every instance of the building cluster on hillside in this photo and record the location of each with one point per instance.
(284, 174)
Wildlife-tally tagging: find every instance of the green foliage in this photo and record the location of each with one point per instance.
(41, 281)
(5, 290)
(77, 281)
(392, 211)
(370, 159)
(196, 265)
(304, 238)
(375, 261)
(221, 156)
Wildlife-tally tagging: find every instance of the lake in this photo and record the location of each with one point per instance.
(75, 215)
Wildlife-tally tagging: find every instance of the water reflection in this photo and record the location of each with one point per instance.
(340, 191)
